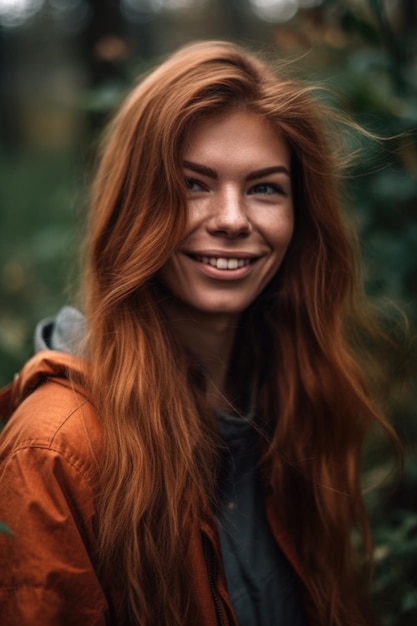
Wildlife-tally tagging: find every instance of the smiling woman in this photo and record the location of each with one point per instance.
(186, 450)
(239, 219)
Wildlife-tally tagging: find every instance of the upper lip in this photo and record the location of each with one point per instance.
(224, 254)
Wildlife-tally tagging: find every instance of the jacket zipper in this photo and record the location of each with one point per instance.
(211, 563)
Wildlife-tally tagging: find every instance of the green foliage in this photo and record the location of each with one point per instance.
(38, 255)
(378, 77)
(395, 588)
(395, 536)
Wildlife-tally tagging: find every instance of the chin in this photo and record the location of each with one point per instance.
(222, 308)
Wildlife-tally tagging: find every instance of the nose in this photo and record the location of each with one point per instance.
(228, 216)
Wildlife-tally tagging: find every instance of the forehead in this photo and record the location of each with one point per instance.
(236, 137)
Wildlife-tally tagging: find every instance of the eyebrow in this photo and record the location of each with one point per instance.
(211, 173)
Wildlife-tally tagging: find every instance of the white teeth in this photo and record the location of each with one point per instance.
(222, 263)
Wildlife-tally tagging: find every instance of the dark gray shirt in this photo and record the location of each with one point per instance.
(264, 589)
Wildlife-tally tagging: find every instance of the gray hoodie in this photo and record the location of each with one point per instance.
(64, 332)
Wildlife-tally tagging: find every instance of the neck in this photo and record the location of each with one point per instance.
(210, 339)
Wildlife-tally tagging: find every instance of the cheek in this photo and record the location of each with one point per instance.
(280, 232)
(197, 211)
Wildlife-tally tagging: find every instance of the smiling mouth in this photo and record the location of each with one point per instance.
(222, 263)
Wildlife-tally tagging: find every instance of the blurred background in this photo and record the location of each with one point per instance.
(65, 64)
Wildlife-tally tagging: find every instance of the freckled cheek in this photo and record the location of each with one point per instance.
(279, 233)
(197, 210)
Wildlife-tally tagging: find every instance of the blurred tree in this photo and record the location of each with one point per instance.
(104, 50)
(236, 19)
(10, 131)
(376, 70)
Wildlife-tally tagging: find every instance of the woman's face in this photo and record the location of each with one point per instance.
(240, 214)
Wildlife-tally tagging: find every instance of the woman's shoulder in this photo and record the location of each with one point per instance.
(46, 409)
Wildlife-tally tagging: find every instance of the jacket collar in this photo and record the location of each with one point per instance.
(72, 372)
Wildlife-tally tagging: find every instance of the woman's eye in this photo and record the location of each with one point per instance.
(267, 189)
(193, 184)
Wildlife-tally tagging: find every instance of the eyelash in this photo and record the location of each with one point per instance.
(273, 188)
(189, 182)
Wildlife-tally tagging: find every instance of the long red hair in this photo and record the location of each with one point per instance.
(314, 407)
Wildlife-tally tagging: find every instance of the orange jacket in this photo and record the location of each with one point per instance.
(48, 484)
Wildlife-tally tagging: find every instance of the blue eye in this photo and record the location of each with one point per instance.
(267, 189)
(194, 185)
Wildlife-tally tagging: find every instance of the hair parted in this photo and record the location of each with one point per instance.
(314, 405)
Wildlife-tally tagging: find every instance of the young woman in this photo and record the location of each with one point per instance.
(188, 451)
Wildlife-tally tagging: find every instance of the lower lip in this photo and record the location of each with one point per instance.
(214, 272)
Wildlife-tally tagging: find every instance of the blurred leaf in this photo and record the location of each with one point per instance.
(5, 529)
(409, 601)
